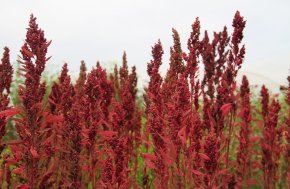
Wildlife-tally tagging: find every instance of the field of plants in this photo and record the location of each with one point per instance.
(184, 131)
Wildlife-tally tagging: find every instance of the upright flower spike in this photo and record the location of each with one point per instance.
(270, 146)
(82, 78)
(265, 100)
(244, 153)
(239, 25)
(29, 126)
(98, 92)
(237, 52)
(211, 164)
(124, 73)
(6, 72)
(207, 58)
(153, 99)
(223, 42)
(194, 47)
(176, 59)
(176, 67)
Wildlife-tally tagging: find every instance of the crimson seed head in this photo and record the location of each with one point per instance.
(265, 100)
(239, 25)
(6, 72)
(176, 60)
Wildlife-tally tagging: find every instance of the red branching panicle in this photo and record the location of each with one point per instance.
(265, 100)
(30, 126)
(82, 78)
(270, 146)
(6, 72)
(73, 124)
(108, 173)
(176, 59)
(243, 155)
(211, 165)
(98, 94)
(154, 113)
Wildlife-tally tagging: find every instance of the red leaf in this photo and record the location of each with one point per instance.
(47, 44)
(22, 186)
(226, 108)
(51, 101)
(108, 134)
(18, 170)
(53, 118)
(14, 142)
(149, 156)
(222, 172)
(150, 164)
(203, 156)
(27, 52)
(254, 138)
(181, 135)
(106, 124)
(11, 161)
(34, 153)
(197, 172)
(10, 112)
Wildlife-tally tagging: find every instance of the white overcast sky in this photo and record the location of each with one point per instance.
(102, 30)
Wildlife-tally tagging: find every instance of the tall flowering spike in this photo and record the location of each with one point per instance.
(6, 71)
(154, 110)
(193, 41)
(237, 52)
(98, 88)
(133, 81)
(34, 59)
(211, 165)
(244, 153)
(116, 78)
(153, 66)
(108, 172)
(239, 25)
(82, 78)
(271, 146)
(265, 100)
(208, 59)
(73, 123)
(37, 45)
(64, 73)
(124, 73)
(176, 59)
(223, 41)
(193, 46)
(29, 127)
(98, 92)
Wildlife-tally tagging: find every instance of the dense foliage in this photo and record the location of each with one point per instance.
(193, 132)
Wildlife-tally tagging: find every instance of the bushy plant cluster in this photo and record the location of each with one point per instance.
(190, 132)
